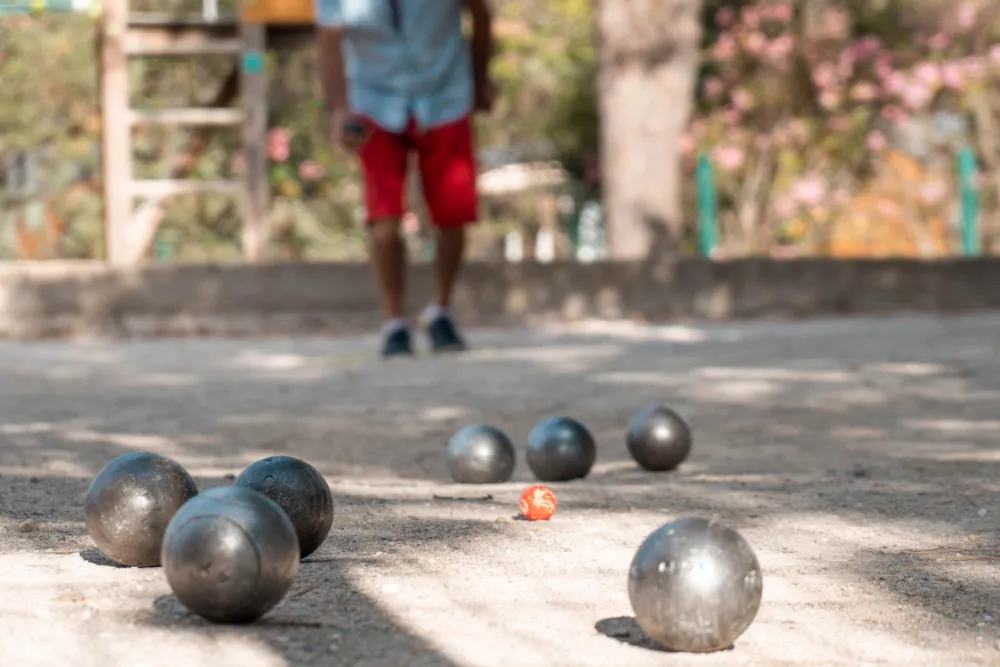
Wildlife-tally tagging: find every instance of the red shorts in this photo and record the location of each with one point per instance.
(447, 172)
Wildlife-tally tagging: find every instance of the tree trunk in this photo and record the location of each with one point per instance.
(648, 55)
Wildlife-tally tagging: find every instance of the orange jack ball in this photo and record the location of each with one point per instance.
(538, 503)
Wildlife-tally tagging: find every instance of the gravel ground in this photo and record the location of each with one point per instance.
(859, 457)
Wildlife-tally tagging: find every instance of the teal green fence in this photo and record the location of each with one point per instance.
(967, 168)
(708, 223)
(49, 6)
(708, 233)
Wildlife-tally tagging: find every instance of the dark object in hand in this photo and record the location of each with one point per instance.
(354, 130)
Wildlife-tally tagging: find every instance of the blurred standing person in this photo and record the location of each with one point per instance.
(399, 76)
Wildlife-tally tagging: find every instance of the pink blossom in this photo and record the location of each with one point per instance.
(933, 192)
(845, 65)
(755, 43)
(279, 144)
(883, 66)
(952, 75)
(785, 206)
(687, 145)
(894, 83)
(894, 113)
(732, 115)
(808, 190)
(830, 99)
(825, 75)
(743, 99)
(780, 12)
(994, 54)
(238, 163)
(725, 48)
(916, 95)
(713, 87)
(939, 41)
(966, 15)
(865, 48)
(762, 142)
(876, 142)
(729, 158)
(310, 170)
(864, 91)
(725, 17)
(837, 23)
(751, 16)
(840, 124)
(928, 74)
(779, 48)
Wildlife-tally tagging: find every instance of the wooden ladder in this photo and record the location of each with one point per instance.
(129, 231)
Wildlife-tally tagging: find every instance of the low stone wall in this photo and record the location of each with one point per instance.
(62, 299)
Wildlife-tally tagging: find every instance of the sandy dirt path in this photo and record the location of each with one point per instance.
(839, 448)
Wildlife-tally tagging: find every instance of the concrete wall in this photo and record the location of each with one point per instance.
(70, 299)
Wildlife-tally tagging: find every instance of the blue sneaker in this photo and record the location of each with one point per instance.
(444, 335)
(398, 343)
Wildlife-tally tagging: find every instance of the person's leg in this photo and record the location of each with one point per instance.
(383, 161)
(449, 252)
(448, 172)
(388, 259)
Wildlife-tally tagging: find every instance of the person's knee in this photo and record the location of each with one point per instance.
(451, 231)
(383, 230)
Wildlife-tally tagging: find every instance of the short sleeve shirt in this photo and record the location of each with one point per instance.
(405, 59)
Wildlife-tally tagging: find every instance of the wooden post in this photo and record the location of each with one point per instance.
(253, 90)
(148, 215)
(116, 131)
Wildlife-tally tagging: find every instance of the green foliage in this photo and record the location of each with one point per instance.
(49, 104)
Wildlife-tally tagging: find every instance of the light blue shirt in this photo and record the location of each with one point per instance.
(422, 71)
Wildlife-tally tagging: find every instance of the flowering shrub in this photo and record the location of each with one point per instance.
(798, 104)
(313, 194)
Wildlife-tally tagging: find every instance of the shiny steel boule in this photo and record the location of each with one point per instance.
(480, 454)
(230, 554)
(695, 585)
(300, 490)
(560, 449)
(658, 438)
(129, 504)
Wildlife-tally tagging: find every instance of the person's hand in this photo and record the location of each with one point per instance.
(486, 93)
(348, 130)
